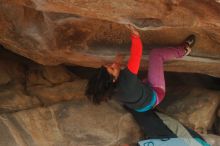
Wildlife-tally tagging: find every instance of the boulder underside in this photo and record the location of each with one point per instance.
(90, 33)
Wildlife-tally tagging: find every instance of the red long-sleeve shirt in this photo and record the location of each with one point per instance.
(135, 54)
(135, 59)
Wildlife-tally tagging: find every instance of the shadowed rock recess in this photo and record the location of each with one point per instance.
(59, 43)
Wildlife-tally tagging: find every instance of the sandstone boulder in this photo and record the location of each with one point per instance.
(196, 110)
(13, 98)
(51, 84)
(70, 123)
(88, 34)
(62, 92)
(25, 84)
(47, 75)
(13, 95)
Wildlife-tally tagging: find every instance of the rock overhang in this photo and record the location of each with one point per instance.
(89, 33)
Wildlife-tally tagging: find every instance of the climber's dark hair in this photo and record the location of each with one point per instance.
(100, 86)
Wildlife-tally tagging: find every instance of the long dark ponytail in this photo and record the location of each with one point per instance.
(100, 87)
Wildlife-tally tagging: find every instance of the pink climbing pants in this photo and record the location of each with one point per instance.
(155, 70)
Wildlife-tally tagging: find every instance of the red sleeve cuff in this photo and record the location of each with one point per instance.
(135, 36)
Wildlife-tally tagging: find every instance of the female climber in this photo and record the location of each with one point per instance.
(124, 86)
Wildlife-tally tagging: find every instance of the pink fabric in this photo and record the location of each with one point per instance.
(155, 70)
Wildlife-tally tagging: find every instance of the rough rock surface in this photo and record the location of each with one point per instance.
(89, 33)
(196, 110)
(13, 95)
(54, 84)
(192, 99)
(25, 84)
(76, 123)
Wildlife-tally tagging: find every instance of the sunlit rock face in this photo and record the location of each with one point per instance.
(89, 33)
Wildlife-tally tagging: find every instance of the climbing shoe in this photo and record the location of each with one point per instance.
(190, 40)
